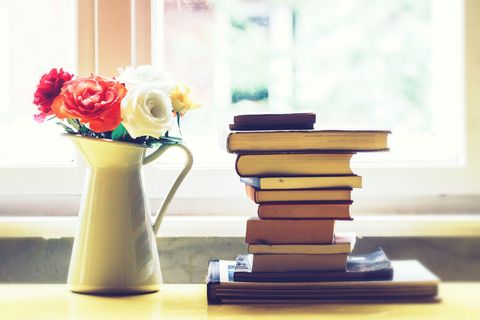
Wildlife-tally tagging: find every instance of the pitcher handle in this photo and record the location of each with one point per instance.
(186, 168)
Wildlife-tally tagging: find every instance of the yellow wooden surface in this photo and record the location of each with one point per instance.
(45, 301)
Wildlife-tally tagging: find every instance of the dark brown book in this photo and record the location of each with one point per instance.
(293, 164)
(282, 121)
(338, 211)
(289, 231)
(300, 195)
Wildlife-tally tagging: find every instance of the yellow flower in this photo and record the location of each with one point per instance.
(181, 101)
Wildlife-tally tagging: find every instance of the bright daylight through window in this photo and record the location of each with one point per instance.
(388, 64)
(381, 64)
(396, 65)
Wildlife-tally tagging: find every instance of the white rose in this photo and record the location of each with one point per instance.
(146, 111)
(146, 75)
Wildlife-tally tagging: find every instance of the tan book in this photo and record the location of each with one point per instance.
(301, 195)
(289, 183)
(298, 262)
(293, 164)
(306, 140)
(343, 243)
(338, 211)
(289, 231)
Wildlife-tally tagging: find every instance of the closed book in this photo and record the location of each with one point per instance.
(370, 266)
(282, 183)
(289, 231)
(411, 282)
(343, 243)
(338, 211)
(293, 164)
(273, 121)
(306, 140)
(298, 262)
(300, 195)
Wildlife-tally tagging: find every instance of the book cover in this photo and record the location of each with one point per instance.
(289, 231)
(279, 262)
(288, 183)
(300, 195)
(295, 210)
(370, 266)
(293, 164)
(273, 121)
(306, 140)
(342, 243)
(411, 281)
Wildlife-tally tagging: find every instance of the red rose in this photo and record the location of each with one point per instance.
(94, 100)
(47, 90)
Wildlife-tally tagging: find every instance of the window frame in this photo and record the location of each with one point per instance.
(387, 188)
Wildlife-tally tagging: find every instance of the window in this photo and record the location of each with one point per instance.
(32, 43)
(398, 64)
(394, 65)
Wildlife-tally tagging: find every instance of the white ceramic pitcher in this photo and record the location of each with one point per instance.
(115, 250)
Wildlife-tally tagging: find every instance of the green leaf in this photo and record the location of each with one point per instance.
(84, 130)
(65, 127)
(74, 124)
(119, 132)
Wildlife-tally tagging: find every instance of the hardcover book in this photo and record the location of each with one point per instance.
(278, 121)
(293, 164)
(289, 231)
(298, 262)
(371, 266)
(300, 195)
(288, 183)
(295, 210)
(342, 243)
(411, 282)
(306, 140)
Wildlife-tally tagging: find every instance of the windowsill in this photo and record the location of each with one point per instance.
(458, 225)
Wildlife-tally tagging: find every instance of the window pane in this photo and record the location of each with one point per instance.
(36, 35)
(388, 64)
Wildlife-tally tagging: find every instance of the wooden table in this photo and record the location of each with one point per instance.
(188, 301)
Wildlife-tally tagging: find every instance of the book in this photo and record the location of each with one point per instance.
(298, 262)
(300, 195)
(370, 266)
(411, 282)
(278, 121)
(342, 243)
(293, 164)
(288, 183)
(289, 231)
(306, 140)
(295, 210)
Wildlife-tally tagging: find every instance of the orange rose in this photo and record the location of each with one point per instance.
(94, 100)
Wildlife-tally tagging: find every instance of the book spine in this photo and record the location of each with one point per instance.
(251, 193)
(236, 165)
(290, 232)
(213, 278)
(338, 210)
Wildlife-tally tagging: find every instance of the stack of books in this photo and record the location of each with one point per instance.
(302, 180)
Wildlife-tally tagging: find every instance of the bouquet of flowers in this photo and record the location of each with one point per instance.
(139, 105)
